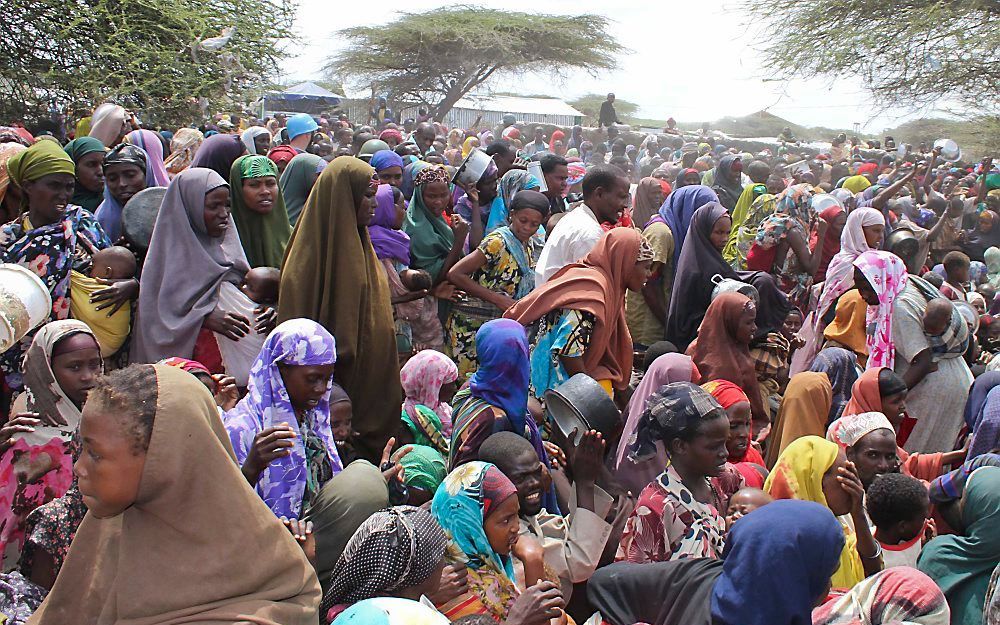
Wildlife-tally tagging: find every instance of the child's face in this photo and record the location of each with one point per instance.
(935, 324)
(793, 323)
(341, 415)
(260, 289)
(743, 503)
(109, 469)
(400, 212)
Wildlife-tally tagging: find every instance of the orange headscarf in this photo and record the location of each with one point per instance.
(865, 394)
(594, 285)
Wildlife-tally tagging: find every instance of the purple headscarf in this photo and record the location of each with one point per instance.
(504, 369)
(386, 239)
(149, 141)
(384, 159)
(283, 482)
(218, 153)
(678, 208)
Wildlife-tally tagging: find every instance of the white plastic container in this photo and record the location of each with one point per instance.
(25, 304)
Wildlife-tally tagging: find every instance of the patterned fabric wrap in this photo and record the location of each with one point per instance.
(257, 167)
(427, 175)
(422, 377)
(849, 429)
(887, 275)
(676, 406)
(295, 342)
(840, 366)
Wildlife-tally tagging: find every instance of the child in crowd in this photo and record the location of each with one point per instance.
(745, 501)
(945, 329)
(956, 268)
(899, 507)
(261, 285)
(341, 419)
(111, 325)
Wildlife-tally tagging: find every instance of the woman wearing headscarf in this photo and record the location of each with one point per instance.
(746, 588)
(256, 140)
(814, 469)
(109, 124)
(126, 172)
(636, 474)
(340, 508)
(396, 552)
(678, 209)
(680, 513)
(10, 196)
(721, 350)
(739, 445)
(862, 232)
(150, 143)
(476, 203)
(51, 237)
(60, 367)
(841, 367)
(297, 181)
(804, 411)
(886, 278)
(288, 482)
(218, 153)
(428, 381)
(331, 275)
(961, 564)
(847, 330)
(646, 311)
(259, 210)
(896, 595)
(747, 218)
(471, 505)
(699, 262)
(936, 398)
(985, 427)
(510, 184)
(727, 181)
(183, 146)
(649, 196)
(468, 145)
(389, 167)
(175, 317)
(498, 273)
(581, 309)
(836, 219)
(188, 465)
(88, 157)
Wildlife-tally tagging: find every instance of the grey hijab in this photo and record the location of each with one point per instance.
(183, 269)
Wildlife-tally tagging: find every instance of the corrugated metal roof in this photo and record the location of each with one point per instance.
(512, 104)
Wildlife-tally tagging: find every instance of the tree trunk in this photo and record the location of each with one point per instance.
(445, 105)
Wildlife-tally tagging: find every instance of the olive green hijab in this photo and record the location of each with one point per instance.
(263, 237)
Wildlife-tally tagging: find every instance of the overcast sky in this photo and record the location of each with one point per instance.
(691, 60)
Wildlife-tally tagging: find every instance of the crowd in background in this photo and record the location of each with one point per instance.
(311, 379)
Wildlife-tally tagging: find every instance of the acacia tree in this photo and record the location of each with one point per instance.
(908, 52)
(435, 58)
(150, 56)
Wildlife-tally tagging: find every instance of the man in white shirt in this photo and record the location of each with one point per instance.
(605, 198)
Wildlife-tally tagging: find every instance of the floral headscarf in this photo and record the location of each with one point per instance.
(294, 342)
(422, 378)
(887, 275)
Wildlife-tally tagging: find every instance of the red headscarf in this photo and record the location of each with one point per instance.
(282, 154)
(831, 241)
(867, 168)
(728, 395)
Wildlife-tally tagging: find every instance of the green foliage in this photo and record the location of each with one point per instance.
(139, 53)
(908, 52)
(435, 58)
(590, 105)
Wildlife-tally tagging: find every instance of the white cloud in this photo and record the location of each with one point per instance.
(694, 61)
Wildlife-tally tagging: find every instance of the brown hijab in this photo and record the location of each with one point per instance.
(719, 356)
(648, 199)
(804, 412)
(595, 285)
(331, 275)
(198, 545)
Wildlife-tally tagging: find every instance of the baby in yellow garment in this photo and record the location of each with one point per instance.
(111, 330)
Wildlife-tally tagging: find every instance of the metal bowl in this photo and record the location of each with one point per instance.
(581, 404)
(139, 216)
(727, 285)
(949, 149)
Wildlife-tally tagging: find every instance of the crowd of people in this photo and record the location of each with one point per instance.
(317, 389)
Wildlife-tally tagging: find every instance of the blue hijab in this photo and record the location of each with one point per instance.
(502, 377)
(777, 562)
(678, 208)
(977, 397)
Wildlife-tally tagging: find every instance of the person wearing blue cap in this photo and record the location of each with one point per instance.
(300, 131)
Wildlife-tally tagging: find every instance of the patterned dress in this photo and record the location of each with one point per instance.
(501, 274)
(50, 252)
(668, 523)
(560, 333)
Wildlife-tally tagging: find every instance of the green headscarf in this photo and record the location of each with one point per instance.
(992, 181)
(41, 159)
(961, 564)
(77, 149)
(297, 181)
(740, 214)
(264, 237)
(424, 467)
(430, 236)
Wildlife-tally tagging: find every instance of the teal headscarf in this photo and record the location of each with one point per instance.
(77, 149)
(430, 236)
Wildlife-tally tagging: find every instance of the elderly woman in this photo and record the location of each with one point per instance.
(582, 314)
(51, 237)
(332, 275)
(176, 316)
